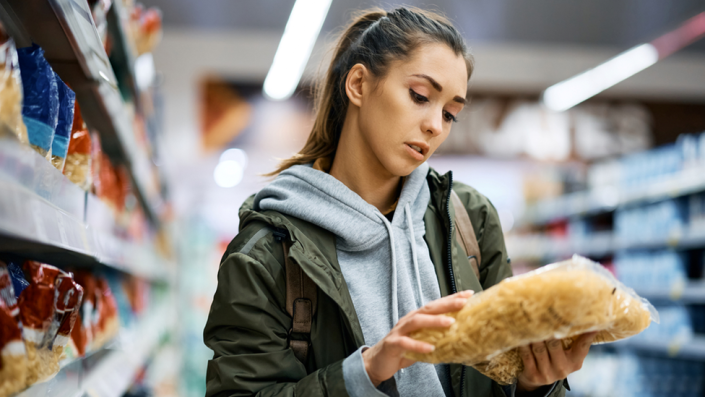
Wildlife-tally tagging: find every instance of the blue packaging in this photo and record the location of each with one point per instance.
(40, 109)
(62, 134)
(19, 283)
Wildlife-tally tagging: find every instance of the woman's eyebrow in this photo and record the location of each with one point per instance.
(439, 88)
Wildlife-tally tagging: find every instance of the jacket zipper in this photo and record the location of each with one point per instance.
(453, 288)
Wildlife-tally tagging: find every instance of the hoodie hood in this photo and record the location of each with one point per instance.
(321, 199)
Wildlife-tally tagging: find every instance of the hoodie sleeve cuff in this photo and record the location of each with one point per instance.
(358, 383)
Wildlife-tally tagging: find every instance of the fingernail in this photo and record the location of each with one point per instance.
(432, 348)
(449, 320)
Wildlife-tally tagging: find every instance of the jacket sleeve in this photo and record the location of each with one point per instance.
(247, 331)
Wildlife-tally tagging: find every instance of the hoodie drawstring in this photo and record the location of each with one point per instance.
(395, 298)
(410, 227)
(412, 236)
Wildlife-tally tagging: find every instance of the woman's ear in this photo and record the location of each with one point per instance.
(354, 83)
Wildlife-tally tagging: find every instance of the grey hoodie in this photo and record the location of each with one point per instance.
(386, 265)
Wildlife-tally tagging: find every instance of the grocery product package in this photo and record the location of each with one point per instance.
(82, 333)
(78, 157)
(62, 134)
(108, 323)
(13, 371)
(44, 306)
(40, 108)
(70, 295)
(558, 301)
(11, 92)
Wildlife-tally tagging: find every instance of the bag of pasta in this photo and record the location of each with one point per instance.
(558, 301)
(11, 92)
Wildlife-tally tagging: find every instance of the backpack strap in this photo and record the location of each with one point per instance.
(466, 234)
(300, 304)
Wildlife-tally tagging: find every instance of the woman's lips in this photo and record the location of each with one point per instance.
(414, 153)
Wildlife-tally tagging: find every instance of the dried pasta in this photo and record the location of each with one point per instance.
(559, 301)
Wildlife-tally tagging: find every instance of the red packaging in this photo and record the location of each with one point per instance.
(36, 302)
(85, 327)
(68, 303)
(13, 364)
(37, 305)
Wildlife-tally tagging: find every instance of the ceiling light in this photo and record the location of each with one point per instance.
(568, 93)
(295, 47)
(228, 173)
(237, 155)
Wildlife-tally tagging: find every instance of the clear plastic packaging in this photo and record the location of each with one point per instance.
(62, 134)
(78, 157)
(558, 301)
(11, 92)
(40, 108)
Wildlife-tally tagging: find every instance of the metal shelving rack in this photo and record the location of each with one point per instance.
(45, 217)
(68, 35)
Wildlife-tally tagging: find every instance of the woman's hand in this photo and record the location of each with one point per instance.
(547, 362)
(386, 357)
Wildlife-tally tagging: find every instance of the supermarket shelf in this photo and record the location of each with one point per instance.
(42, 216)
(537, 247)
(690, 293)
(607, 199)
(66, 32)
(124, 54)
(693, 349)
(110, 371)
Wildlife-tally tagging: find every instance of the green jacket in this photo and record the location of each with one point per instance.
(248, 323)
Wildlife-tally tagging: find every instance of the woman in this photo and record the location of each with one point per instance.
(369, 223)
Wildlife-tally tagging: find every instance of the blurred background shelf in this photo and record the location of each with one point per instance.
(68, 35)
(608, 198)
(693, 349)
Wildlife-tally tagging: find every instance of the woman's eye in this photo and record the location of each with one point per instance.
(418, 98)
(449, 117)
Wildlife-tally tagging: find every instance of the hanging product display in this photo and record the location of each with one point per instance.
(11, 91)
(559, 301)
(40, 109)
(62, 135)
(78, 157)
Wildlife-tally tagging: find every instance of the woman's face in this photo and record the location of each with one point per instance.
(405, 116)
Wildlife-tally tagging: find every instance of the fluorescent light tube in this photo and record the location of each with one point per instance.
(295, 47)
(568, 93)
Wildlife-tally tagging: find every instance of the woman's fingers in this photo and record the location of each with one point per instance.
(421, 320)
(450, 303)
(527, 357)
(580, 348)
(404, 343)
(543, 363)
(559, 360)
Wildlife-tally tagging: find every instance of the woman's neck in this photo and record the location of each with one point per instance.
(358, 168)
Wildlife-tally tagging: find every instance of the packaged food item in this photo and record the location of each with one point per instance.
(85, 326)
(11, 91)
(69, 296)
(78, 158)
(37, 305)
(108, 322)
(146, 27)
(107, 183)
(559, 301)
(13, 368)
(62, 134)
(40, 109)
